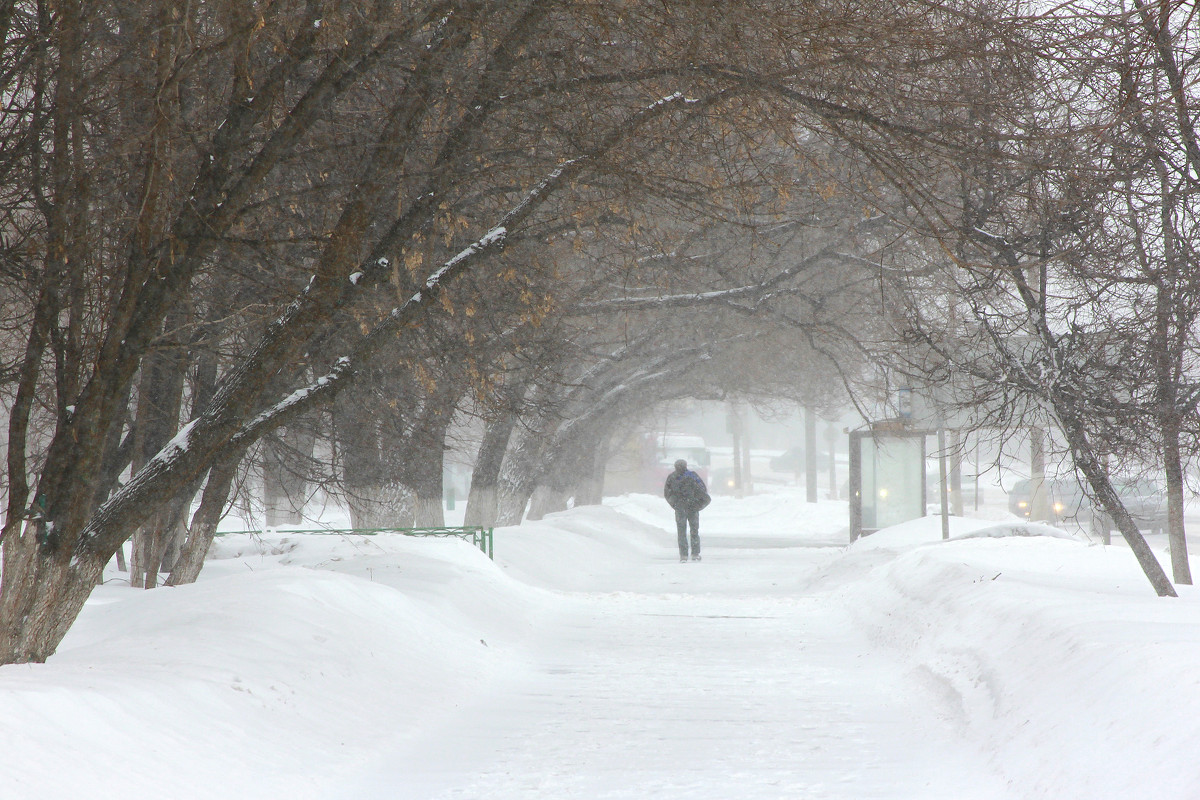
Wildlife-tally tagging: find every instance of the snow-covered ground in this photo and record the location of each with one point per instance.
(587, 662)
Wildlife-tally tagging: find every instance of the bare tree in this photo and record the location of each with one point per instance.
(1003, 315)
(1145, 59)
(336, 149)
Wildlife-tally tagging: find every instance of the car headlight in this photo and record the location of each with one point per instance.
(1022, 504)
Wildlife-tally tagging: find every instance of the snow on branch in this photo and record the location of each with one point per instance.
(492, 240)
(761, 290)
(296, 402)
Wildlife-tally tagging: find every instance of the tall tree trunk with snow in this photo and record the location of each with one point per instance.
(483, 501)
(1089, 462)
(575, 474)
(552, 479)
(518, 477)
(484, 498)
(589, 490)
(1175, 312)
(569, 466)
(1167, 369)
(423, 459)
(384, 505)
(187, 552)
(524, 463)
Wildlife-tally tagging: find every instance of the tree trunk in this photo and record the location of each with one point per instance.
(176, 536)
(590, 490)
(53, 588)
(735, 430)
(167, 532)
(375, 498)
(389, 505)
(1097, 476)
(185, 554)
(546, 500)
(428, 513)
(204, 522)
(1167, 369)
(517, 481)
(810, 456)
(1039, 495)
(572, 466)
(482, 502)
(482, 505)
(423, 460)
(160, 401)
(484, 498)
(1173, 464)
(956, 460)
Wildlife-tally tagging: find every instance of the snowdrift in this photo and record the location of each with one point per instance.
(284, 666)
(1054, 653)
(298, 659)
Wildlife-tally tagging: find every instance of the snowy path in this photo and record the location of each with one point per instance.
(722, 679)
(585, 663)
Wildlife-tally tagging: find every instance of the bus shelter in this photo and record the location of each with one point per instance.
(887, 476)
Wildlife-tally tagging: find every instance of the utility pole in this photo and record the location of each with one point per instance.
(735, 431)
(810, 453)
(831, 438)
(1039, 501)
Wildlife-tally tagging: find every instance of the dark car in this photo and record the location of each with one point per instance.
(722, 481)
(790, 460)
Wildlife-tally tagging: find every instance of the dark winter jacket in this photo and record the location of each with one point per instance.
(685, 491)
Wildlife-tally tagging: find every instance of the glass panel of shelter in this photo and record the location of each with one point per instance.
(887, 478)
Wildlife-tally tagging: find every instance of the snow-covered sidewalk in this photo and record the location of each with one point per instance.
(681, 695)
(587, 662)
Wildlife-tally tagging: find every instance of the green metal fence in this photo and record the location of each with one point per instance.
(480, 537)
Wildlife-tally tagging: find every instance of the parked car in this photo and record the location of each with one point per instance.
(790, 460)
(721, 481)
(1144, 501)
(1066, 501)
(1069, 503)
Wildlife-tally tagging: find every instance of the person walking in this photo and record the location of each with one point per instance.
(686, 493)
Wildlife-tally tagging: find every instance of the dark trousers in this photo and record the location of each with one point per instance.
(683, 519)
